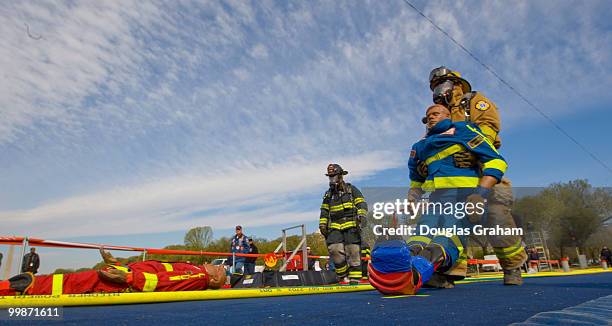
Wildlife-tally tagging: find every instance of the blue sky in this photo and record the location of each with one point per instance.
(131, 122)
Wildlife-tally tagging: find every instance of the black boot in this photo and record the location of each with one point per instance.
(513, 277)
(439, 281)
(22, 282)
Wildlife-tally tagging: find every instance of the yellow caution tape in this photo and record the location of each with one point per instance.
(485, 277)
(93, 299)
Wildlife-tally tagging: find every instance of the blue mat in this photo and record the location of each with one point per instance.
(488, 303)
(594, 312)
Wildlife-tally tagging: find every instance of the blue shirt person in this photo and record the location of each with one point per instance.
(240, 245)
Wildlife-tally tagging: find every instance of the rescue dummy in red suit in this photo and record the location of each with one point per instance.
(147, 276)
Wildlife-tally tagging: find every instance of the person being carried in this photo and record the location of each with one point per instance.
(398, 267)
(146, 276)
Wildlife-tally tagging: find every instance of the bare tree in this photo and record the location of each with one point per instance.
(198, 237)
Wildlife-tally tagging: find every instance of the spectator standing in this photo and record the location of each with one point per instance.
(311, 261)
(249, 265)
(533, 261)
(31, 262)
(606, 255)
(240, 245)
(533, 254)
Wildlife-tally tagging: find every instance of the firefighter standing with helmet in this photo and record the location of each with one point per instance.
(454, 92)
(342, 213)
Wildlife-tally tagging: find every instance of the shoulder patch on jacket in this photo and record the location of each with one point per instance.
(482, 105)
(413, 153)
(474, 142)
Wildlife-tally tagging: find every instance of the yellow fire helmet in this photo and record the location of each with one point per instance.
(440, 74)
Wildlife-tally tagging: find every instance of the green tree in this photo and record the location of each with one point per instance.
(597, 241)
(569, 212)
(70, 270)
(63, 271)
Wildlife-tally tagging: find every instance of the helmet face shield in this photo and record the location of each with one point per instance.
(439, 73)
(443, 93)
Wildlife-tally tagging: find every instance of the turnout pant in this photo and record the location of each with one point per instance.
(365, 253)
(451, 245)
(508, 248)
(73, 283)
(344, 251)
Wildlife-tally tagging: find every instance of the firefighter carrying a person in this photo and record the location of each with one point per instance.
(455, 93)
(398, 267)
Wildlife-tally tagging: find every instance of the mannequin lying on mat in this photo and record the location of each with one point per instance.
(146, 276)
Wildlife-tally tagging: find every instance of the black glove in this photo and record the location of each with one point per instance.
(361, 221)
(422, 169)
(465, 159)
(323, 229)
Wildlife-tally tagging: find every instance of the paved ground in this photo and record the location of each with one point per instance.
(487, 303)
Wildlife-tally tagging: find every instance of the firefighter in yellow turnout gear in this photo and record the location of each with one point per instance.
(454, 92)
(342, 212)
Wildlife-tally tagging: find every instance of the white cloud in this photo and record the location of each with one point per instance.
(133, 115)
(165, 205)
(83, 47)
(242, 74)
(259, 51)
